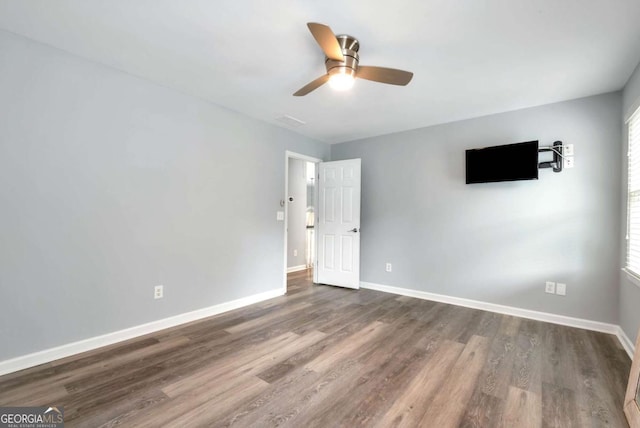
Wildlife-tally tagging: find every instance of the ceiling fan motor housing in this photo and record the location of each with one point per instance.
(349, 66)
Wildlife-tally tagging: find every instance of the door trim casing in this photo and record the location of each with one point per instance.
(293, 155)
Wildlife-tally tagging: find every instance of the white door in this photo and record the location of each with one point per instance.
(339, 223)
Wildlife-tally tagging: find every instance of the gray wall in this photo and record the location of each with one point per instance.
(296, 215)
(629, 291)
(631, 93)
(111, 184)
(498, 242)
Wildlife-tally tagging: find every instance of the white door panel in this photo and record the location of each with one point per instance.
(339, 223)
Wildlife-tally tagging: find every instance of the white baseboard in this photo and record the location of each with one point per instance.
(509, 310)
(627, 343)
(52, 354)
(296, 268)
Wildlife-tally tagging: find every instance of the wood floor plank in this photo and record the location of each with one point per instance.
(307, 404)
(488, 325)
(331, 357)
(448, 407)
(229, 364)
(314, 320)
(453, 322)
(378, 391)
(434, 334)
(249, 368)
(523, 409)
(527, 368)
(483, 410)
(86, 373)
(472, 321)
(496, 376)
(385, 371)
(347, 347)
(612, 362)
(34, 396)
(208, 413)
(362, 315)
(556, 366)
(65, 365)
(304, 402)
(275, 400)
(105, 394)
(312, 352)
(509, 325)
(595, 402)
(174, 407)
(410, 407)
(116, 413)
(397, 310)
(558, 407)
(248, 325)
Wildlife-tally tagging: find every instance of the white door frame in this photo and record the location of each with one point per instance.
(293, 155)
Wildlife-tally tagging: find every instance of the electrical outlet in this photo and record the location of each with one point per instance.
(280, 215)
(295, 253)
(158, 292)
(561, 289)
(550, 287)
(568, 162)
(388, 267)
(567, 150)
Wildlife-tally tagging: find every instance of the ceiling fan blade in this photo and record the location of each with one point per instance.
(391, 76)
(327, 40)
(312, 86)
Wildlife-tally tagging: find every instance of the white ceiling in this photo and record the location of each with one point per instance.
(470, 58)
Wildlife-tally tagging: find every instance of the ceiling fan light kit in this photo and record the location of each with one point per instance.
(342, 74)
(341, 81)
(342, 63)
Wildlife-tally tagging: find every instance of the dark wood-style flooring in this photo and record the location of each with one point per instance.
(325, 356)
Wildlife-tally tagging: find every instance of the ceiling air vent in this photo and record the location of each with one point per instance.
(290, 121)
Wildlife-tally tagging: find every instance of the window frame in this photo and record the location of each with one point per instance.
(633, 178)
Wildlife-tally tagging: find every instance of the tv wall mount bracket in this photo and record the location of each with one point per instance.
(556, 163)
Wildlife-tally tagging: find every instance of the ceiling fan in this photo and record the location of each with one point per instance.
(341, 61)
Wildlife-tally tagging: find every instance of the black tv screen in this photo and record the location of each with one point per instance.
(510, 162)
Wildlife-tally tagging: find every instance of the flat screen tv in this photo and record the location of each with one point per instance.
(510, 162)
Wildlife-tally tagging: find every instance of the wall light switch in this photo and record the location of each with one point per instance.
(295, 253)
(550, 287)
(280, 216)
(561, 289)
(568, 162)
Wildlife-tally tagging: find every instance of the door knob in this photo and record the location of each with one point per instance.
(354, 230)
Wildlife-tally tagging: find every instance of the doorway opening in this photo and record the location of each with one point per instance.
(300, 221)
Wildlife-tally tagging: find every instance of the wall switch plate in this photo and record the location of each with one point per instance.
(158, 292)
(388, 267)
(280, 215)
(550, 287)
(568, 162)
(295, 253)
(567, 150)
(561, 289)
